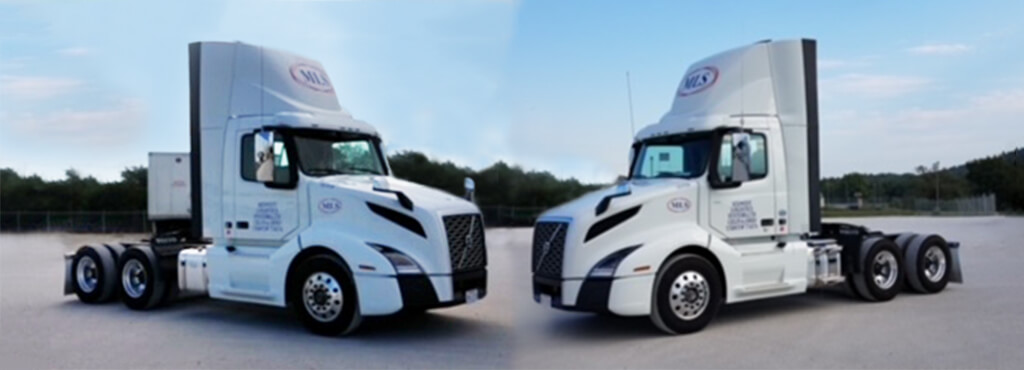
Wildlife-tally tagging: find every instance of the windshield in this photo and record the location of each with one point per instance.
(678, 158)
(322, 155)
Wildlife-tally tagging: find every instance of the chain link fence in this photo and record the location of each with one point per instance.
(969, 206)
(138, 221)
(75, 221)
(494, 216)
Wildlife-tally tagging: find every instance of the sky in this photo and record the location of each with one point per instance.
(96, 85)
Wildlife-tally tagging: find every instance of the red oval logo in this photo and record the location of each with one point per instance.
(698, 80)
(678, 205)
(312, 77)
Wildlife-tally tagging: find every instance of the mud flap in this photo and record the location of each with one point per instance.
(955, 273)
(69, 259)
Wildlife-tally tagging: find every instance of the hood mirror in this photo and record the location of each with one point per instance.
(470, 186)
(621, 190)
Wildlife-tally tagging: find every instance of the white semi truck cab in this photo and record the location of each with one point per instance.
(722, 205)
(292, 203)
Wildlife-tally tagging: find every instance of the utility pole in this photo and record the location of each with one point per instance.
(629, 95)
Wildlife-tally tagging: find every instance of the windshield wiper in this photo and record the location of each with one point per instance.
(371, 171)
(324, 171)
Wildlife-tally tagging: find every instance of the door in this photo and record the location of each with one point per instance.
(263, 215)
(743, 206)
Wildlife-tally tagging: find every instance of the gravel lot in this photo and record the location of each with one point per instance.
(976, 325)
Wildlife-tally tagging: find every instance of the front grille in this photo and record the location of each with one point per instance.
(548, 244)
(466, 246)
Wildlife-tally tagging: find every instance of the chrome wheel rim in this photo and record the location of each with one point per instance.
(322, 296)
(885, 269)
(133, 278)
(87, 274)
(934, 264)
(689, 295)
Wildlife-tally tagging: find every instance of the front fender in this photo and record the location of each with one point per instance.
(664, 241)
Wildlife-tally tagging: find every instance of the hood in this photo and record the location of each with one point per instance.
(661, 202)
(641, 191)
(424, 197)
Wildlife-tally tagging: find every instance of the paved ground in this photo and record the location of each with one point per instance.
(975, 325)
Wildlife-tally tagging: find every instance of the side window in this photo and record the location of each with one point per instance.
(758, 156)
(742, 159)
(248, 162)
(280, 165)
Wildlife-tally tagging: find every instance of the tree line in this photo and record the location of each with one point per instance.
(1002, 175)
(507, 185)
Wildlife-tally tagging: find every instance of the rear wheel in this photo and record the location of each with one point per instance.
(323, 295)
(927, 261)
(94, 274)
(687, 295)
(142, 285)
(881, 276)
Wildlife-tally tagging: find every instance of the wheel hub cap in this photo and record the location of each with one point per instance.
(322, 296)
(885, 269)
(688, 296)
(133, 278)
(935, 264)
(87, 274)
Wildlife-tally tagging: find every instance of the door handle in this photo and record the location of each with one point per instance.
(231, 249)
(243, 224)
(765, 222)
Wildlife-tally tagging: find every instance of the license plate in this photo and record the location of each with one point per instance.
(472, 295)
(544, 300)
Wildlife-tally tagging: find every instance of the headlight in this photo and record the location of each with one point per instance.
(606, 268)
(403, 264)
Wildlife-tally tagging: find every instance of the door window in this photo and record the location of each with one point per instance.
(280, 165)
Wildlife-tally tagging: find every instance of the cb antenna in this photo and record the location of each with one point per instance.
(629, 95)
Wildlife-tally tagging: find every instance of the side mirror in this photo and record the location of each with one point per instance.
(740, 157)
(264, 156)
(470, 187)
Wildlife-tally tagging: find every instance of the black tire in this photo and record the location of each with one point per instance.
(97, 265)
(917, 261)
(146, 287)
(663, 307)
(329, 276)
(864, 281)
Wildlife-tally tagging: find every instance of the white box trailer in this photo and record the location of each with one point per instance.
(722, 205)
(285, 199)
(168, 186)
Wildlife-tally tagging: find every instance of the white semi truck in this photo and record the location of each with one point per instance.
(291, 202)
(722, 205)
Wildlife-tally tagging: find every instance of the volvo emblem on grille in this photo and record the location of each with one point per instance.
(469, 241)
(547, 245)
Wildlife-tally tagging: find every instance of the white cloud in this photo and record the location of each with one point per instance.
(897, 141)
(872, 86)
(76, 51)
(36, 87)
(939, 49)
(115, 125)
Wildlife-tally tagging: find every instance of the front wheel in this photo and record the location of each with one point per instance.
(687, 295)
(324, 296)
